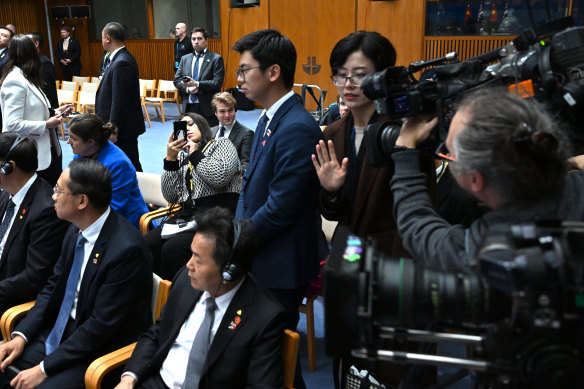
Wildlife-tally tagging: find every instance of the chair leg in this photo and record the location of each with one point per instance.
(162, 111)
(157, 113)
(62, 130)
(179, 110)
(147, 116)
(310, 334)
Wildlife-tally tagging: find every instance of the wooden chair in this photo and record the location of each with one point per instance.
(307, 308)
(69, 85)
(95, 79)
(146, 90)
(85, 101)
(149, 184)
(101, 366)
(89, 87)
(11, 317)
(80, 79)
(166, 92)
(58, 84)
(290, 356)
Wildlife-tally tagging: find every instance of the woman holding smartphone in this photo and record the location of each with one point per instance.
(25, 108)
(207, 176)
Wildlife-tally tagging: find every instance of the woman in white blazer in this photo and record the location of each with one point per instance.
(25, 108)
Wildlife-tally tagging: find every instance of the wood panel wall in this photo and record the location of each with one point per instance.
(466, 47)
(26, 15)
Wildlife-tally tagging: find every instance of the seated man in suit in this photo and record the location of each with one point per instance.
(31, 235)
(214, 305)
(99, 296)
(224, 107)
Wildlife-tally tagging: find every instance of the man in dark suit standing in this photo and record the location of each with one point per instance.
(279, 187)
(215, 296)
(118, 95)
(68, 51)
(31, 235)
(199, 76)
(224, 107)
(47, 71)
(99, 296)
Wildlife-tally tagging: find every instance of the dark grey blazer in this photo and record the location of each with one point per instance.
(241, 137)
(211, 78)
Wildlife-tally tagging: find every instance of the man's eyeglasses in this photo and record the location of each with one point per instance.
(241, 72)
(58, 191)
(443, 153)
(341, 79)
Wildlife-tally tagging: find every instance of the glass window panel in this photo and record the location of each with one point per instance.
(195, 13)
(130, 13)
(489, 17)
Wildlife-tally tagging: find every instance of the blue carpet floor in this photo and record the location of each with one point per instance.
(152, 146)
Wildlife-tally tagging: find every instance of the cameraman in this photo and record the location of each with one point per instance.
(505, 151)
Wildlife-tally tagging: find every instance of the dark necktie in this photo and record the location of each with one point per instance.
(7, 219)
(195, 98)
(221, 132)
(201, 344)
(54, 338)
(259, 134)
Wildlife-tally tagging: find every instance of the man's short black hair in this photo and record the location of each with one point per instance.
(269, 47)
(375, 46)
(91, 178)
(217, 223)
(116, 31)
(201, 30)
(36, 37)
(24, 154)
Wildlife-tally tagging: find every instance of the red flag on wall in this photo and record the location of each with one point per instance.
(468, 13)
(494, 18)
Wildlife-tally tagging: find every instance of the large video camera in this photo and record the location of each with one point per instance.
(520, 305)
(546, 63)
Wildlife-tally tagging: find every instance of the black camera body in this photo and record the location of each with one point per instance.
(180, 130)
(520, 304)
(546, 63)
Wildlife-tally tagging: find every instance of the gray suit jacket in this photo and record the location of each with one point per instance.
(241, 137)
(211, 77)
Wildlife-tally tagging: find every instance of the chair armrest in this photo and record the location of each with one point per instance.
(103, 365)
(11, 317)
(147, 218)
(290, 356)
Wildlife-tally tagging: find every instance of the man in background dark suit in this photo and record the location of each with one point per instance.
(99, 296)
(118, 95)
(280, 187)
(205, 72)
(183, 45)
(47, 71)
(30, 242)
(244, 331)
(224, 107)
(68, 51)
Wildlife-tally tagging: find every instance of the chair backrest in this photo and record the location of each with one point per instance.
(80, 79)
(290, 356)
(329, 228)
(66, 96)
(69, 85)
(150, 188)
(146, 85)
(165, 86)
(86, 98)
(160, 289)
(94, 79)
(89, 87)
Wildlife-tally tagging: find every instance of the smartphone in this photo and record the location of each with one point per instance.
(185, 79)
(180, 130)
